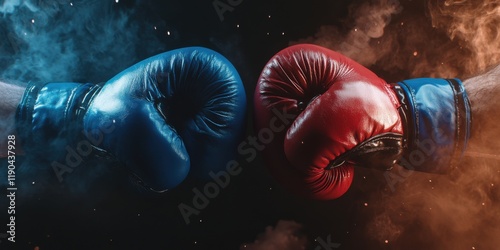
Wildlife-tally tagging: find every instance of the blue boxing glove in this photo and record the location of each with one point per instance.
(178, 112)
(436, 122)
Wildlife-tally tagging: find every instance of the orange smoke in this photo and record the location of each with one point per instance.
(452, 38)
(475, 25)
(286, 235)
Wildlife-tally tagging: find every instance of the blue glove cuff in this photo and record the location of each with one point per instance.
(49, 116)
(438, 123)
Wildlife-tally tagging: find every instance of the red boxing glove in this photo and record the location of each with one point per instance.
(340, 115)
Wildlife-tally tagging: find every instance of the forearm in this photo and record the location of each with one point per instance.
(484, 95)
(10, 96)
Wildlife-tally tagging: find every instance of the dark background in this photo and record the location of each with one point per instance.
(106, 212)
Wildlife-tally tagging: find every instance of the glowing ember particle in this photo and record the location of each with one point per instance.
(415, 53)
(386, 241)
(430, 180)
(483, 204)
(366, 204)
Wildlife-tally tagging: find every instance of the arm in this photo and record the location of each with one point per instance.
(10, 96)
(484, 95)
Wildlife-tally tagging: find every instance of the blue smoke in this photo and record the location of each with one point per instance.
(63, 40)
(79, 41)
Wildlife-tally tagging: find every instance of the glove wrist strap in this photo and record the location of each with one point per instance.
(438, 123)
(49, 116)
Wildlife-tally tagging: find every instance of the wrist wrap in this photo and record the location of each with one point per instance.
(438, 123)
(49, 116)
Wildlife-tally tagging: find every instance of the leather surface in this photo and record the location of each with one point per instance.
(337, 104)
(175, 113)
